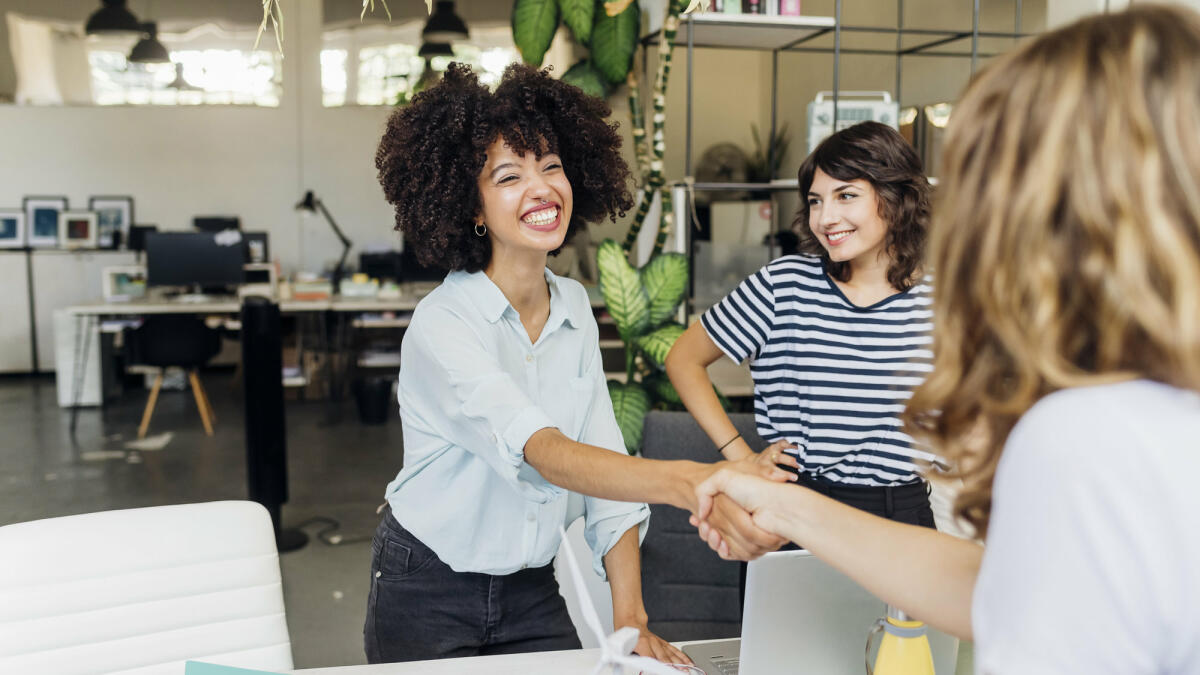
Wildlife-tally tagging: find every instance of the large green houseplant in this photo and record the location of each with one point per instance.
(642, 302)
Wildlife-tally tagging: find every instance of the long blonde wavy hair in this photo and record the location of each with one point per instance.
(1065, 241)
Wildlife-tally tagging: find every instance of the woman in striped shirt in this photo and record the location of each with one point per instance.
(838, 336)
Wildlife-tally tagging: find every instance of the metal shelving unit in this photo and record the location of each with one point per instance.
(803, 34)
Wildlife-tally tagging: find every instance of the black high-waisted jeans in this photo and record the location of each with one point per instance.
(420, 609)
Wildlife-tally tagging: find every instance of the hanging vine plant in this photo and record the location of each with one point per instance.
(642, 302)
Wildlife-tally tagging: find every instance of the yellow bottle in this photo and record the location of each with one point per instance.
(904, 648)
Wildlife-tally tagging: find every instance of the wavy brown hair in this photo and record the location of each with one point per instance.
(431, 154)
(878, 154)
(1066, 235)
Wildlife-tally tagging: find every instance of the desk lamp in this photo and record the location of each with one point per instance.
(310, 204)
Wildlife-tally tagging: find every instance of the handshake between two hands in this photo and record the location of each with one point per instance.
(735, 511)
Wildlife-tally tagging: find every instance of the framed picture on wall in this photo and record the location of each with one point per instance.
(77, 229)
(41, 220)
(12, 228)
(113, 218)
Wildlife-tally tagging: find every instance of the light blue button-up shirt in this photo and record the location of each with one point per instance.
(473, 389)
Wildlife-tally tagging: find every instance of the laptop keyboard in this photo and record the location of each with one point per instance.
(725, 665)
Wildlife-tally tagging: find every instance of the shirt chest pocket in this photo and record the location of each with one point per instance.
(568, 402)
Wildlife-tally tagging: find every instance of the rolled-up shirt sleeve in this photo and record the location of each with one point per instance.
(466, 397)
(605, 521)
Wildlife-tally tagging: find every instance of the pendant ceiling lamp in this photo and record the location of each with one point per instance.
(444, 25)
(112, 17)
(432, 49)
(149, 49)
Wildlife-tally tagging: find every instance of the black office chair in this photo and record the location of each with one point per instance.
(175, 340)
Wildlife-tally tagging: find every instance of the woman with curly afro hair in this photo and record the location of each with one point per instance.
(509, 432)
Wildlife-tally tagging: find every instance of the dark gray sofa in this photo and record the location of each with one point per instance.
(690, 593)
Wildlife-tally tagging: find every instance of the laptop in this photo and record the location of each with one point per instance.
(803, 616)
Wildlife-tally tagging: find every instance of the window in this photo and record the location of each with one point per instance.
(195, 76)
(378, 65)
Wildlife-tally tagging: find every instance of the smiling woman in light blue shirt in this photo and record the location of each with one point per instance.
(507, 418)
(473, 389)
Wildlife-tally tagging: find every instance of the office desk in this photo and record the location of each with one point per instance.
(77, 324)
(578, 661)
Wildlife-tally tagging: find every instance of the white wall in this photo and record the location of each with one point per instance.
(181, 162)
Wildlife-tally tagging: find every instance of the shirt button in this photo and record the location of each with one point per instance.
(529, 358)
(378, 574)
(531, 517)
(493, 438)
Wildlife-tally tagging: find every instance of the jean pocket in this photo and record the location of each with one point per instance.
(400, 560)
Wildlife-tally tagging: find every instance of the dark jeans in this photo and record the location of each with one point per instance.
(420, 609)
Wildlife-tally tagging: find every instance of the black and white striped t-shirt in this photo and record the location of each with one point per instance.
(829, 376)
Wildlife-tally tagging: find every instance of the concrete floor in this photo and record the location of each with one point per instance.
(337, 468)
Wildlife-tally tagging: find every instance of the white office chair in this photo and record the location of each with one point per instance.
(141, 591)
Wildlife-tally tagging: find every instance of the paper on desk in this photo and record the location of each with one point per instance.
(616, 650)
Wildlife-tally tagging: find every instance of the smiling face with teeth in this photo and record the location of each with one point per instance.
(526, 200)
(844, 217)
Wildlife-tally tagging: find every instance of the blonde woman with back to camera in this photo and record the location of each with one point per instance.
(1066, 383)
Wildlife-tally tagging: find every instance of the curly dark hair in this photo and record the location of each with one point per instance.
(878, 154)
(434, 149)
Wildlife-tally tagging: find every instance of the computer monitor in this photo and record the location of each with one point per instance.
(415, 271)
(216, 223)
(193, 259)
(137, 236)
(381, 265)
(256, 247)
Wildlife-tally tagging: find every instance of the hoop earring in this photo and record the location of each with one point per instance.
(479, 232)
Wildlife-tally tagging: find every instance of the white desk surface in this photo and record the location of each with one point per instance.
(405, 303)
(580, 661)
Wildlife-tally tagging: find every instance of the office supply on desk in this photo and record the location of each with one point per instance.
(181, 341)
(143, 589)
(310, 204)
(616, 650)
(122, 283)
(256, 247)
(193, 259)
(803, 616)
(260, 279)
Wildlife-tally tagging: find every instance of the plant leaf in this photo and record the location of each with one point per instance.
(585, 76)
(666, 279)
(630, 403)
(578, 15)
(662, 389)
(615, 7)
(621, 287)
(533, 25)
(656, 345)
(614, 40)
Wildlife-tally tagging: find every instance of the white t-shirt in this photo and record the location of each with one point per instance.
(1093, 552)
